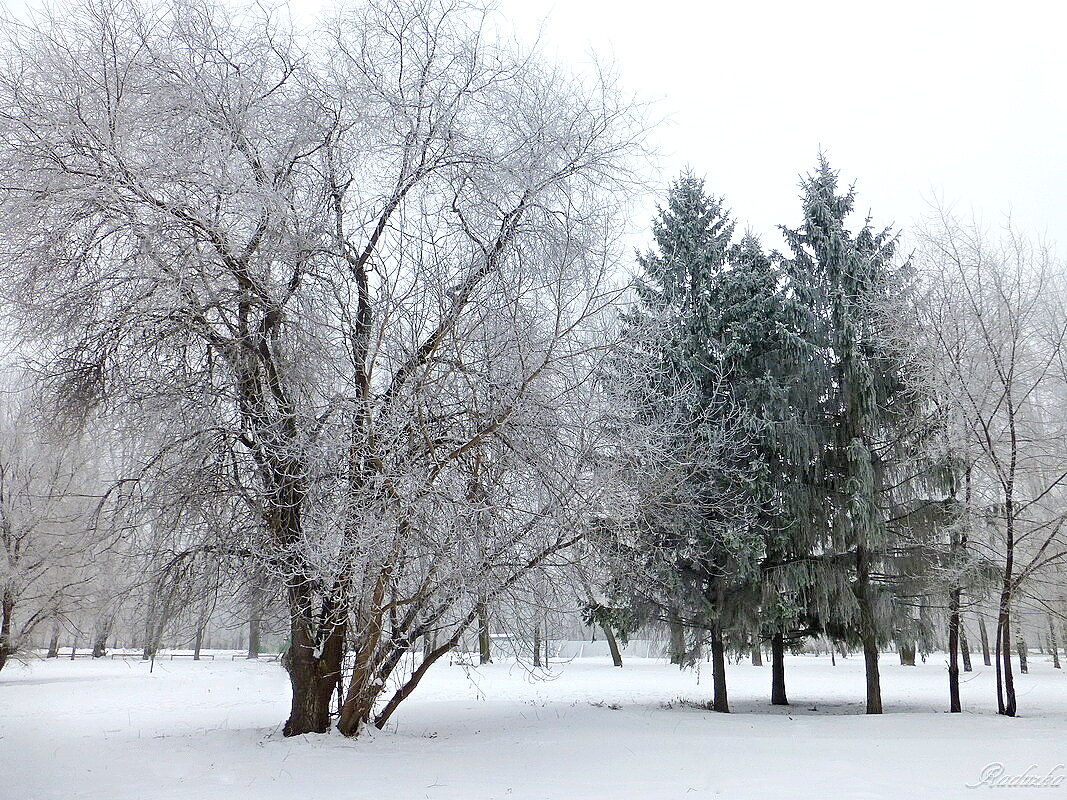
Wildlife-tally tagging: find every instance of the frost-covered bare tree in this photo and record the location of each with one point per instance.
(348, 282)
(999, 330)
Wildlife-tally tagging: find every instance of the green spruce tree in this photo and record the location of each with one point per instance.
(691, 553)
(848, 282)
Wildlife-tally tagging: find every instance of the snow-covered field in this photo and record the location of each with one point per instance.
(111, 730)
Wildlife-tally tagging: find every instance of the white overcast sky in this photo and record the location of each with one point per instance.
(912, 100)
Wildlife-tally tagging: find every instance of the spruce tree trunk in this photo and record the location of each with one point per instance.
(778, 696)
(874, 685)
(53, 643)
(485, 655)
(965, 648)
(983, 632)
(868, 631)
(954, 628)
(1052, 644)
(718, 669)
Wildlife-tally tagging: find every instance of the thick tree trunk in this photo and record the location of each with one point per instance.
(983, 632)
(965, 648)
(485, 654)
(757, 653)
(313, 661)
(1020, 644)
(1052, 644)
(778, 696)
(874, 684)
(718, 670)
(907, 653)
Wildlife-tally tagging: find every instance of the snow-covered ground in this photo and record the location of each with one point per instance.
(111, 730)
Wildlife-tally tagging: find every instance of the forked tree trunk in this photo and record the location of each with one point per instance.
(983, 632)
(778, 696)
(1052, 644)
(965, 648)
(1006, 703)
(485, 654)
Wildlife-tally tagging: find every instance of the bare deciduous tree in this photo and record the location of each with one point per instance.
(1000, 330)
(335, 278)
